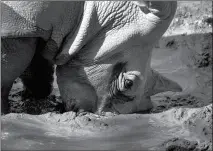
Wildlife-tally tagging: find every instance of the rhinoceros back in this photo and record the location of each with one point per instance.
(49, 20)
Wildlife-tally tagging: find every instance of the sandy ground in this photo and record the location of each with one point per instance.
(178, 121)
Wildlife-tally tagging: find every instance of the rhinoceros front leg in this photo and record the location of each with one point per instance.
(16, 54)
(77, 93)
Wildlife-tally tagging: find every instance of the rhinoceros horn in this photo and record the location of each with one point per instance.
(157, 83)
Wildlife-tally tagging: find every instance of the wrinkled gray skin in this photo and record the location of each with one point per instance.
(102, 50)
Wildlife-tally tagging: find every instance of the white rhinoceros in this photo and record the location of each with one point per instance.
(102, 50)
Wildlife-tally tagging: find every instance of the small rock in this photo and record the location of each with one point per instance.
(178, 144)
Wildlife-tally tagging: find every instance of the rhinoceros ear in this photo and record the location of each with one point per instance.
(142, 3)
(157, 83)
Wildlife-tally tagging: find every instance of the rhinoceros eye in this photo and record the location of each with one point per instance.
(128, 83)
(119, 84)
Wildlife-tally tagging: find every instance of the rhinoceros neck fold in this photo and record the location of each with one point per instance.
(87, 28)
(163, 9)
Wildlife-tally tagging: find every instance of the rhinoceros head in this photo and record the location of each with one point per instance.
(109, 57)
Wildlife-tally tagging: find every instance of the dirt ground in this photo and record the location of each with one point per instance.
(178, 121)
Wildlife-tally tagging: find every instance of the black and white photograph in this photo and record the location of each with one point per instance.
(106, 75)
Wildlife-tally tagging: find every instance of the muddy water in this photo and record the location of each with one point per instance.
(89, 132)
(124, 132)
(179, 63)
(33, 133)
